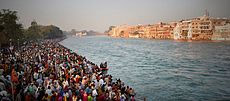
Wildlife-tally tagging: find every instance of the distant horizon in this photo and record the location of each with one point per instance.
(100, 15)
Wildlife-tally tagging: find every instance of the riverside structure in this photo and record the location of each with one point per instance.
(199, 28)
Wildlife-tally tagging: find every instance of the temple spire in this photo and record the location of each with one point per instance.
(206, 12)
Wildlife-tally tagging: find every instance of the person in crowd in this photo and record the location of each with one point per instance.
(47, 71)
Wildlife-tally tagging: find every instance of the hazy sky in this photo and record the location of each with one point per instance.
(100, 14)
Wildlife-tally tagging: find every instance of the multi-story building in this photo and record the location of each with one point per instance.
(163, 31)
(222, 32)
(181, 30)
(120, 31)
(158, 31)
(200, 28)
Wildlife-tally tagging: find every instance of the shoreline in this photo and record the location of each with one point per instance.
(67, 69)
(181, 40)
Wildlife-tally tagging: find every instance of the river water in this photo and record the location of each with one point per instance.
(162, 69)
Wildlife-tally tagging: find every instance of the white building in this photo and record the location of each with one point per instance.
(176, 32)
(221, 32)
(81, 34)
(181, 30)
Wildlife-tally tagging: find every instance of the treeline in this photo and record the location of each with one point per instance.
(36, 31)
(12, 32)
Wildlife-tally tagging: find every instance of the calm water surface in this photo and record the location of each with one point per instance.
(162, 69)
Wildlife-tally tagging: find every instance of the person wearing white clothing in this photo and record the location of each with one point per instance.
(101, 82)
(94, 94)
(49, 91)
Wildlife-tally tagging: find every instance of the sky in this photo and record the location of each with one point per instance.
(98, 15)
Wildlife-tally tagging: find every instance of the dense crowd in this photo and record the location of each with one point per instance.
(47, 71)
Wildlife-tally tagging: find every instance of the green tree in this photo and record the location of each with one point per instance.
(51, 31)
(34, 31)
(10, 29)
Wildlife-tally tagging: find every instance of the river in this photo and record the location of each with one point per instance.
(162, 69)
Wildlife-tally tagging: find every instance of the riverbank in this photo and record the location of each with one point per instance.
(49, 71)
(162, 70)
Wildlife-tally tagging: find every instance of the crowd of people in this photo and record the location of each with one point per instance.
(47, 71)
